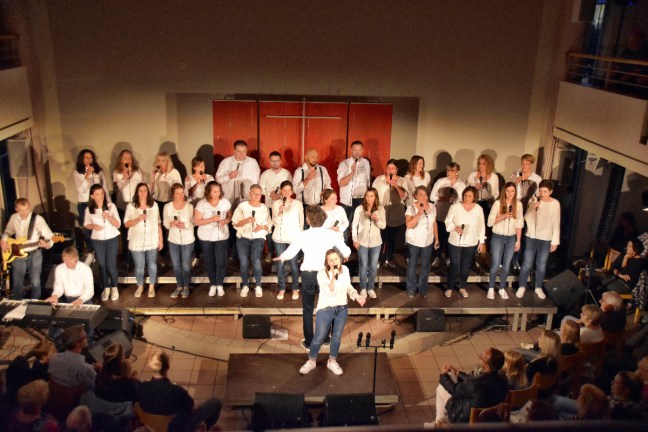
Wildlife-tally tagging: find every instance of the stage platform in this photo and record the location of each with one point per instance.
(279, 373)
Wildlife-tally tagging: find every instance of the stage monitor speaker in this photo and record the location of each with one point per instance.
(429, 320)
(279, 411)
(564, 289)
(118, 319)
(256, 327)
(20, 158)
(349, 410)
(96, 350)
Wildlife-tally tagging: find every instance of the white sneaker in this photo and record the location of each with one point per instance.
(491, 294)
(139, 291)
(212, 291)
(520, 292)
(176, 293)
(244, 291)
(463, 293)
(372, 294)
(363, 293)
(295, 295)
(448, 293)
(334, 367)
(114, 294)
(220, 290)
(280, 294)
(90, 258)
(258, 292)
(541, 295)
(308, 366)
(151, 291)
(105, 294)
(503, 294)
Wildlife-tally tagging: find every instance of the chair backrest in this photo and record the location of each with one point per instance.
(501, 409)
(610, 257)
(159, 423)
(545, 381)
(595, 354)
(517, 398)
(571, 370)
(63, 399)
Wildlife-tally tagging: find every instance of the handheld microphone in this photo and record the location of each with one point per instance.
(201, 172)
(175, 218)
(462, 227)
(126, 165)
(157, 168)
(238, 166)
(254, 221)
(283, 200)
(510, 209)
(336, 223)
(253, 212)
(391, 340)
(481, 179)
(391, 176)
(357, 160)
(145, 218)
(218, 213)
(539, 202)
(424, 212)
(359, 343)
(519, 173)
(368, 340)
(315, 166)
(277, 190)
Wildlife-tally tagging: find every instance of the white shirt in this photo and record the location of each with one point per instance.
(270, 182)
(491, 190)
(76, 282)
(126, 188)
(162, 183)
(199, 192)
(422, 235)
(444, 193)
(341, 289)
(358, 184)
(288, 225)
(544, 223)
(109, 231)
(413, 183)
(526, 188)
(506, 227)
(315, 242)
(18, 228)
(143, 235)
(474, 230)
(261, 217)
(179, 236)
(336, 215)
(311, 194)
(391, 200)
(237, 189)
(212, 231)
(83, 185)
(365, 230)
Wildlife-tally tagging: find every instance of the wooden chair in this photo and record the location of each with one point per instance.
(614, 342)
(571, 371)
(517, 398)
(159, 423)
(502, 410)
(63, 399)
(594, 353)
(546, 382)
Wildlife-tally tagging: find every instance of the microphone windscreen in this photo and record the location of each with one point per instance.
(391, 339)
(253, 213)
(218, 213)
(126, 165)
(510, 209)
(368, 340)
(144, 212)
(175, 217)
(359, 339)
(283, 200)
(336, 223)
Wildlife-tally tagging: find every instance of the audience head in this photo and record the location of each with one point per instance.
(79, 420)
(468, 195)
(485, 163)
(611, 300)
(126, 157)
(549, 344)
(416, 166)
(642, 369)
(634, 247)
(70, 257)
(493, 359)
(371, 196)
(142, 195)
(113, 359)
(32, 397)
(590, 315)
(240, 150)
(592, 403)
(541, 411)
(74, 338)
(570, 332)
(213, 190)
(515, 367)
(160, 363)
(315, 216)
(18, 374)
(44, 350)
(627, 386)
(87, 158)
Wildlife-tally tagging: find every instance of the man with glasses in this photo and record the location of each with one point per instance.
(69, 368)
(270, 183)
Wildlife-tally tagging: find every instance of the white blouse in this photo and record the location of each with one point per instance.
(289, 224)
(366, 231)
(199, 192)
(336, 215)
(474, 229)
(162, 183)
(506, 227)
(179, 236)
(83, 185)
(342, 288)
(414, 182)
(491, 190)
(126, 188)
(109, 231)
(213, 231)
(544, 223)
(143, 235)
(422, 235)
(261, 217)
(270, 182)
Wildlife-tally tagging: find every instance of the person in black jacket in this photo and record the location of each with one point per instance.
(458, 392)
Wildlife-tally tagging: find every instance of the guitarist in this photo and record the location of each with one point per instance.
(32, 227)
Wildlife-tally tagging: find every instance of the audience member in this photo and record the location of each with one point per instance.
(627, 267)
(17, 375)
(569, 338)
(32, 398)
(69, 367)
(43, 351)
(613, 314)
(115, 382)
(79, 420)
(547, 361)
(515, 370)
(625, 395)
(590, 318)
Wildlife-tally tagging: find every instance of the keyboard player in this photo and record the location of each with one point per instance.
(73, 281)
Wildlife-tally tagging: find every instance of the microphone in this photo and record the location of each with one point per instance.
(315, 166)
(218, 213)
(336, 274)
(175, 218)
(510, 209)
(157, 168)
(539, 202)
(462, 227)
(200, 172)
(519, 173)
(237, 166)
(357, 160)
(481, 179)
(391, 176)
(254, 221)
(277, 190)
(253, 212)
(283, 200)
(336, 223)
(144, 219)
(368, 340)
(424, 212)
(391, 340)
(126, 165)
(359, 343)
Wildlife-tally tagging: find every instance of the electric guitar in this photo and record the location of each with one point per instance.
(16, 247)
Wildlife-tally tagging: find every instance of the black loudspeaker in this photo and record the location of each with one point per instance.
(96, 350)
(429, 320)
(118, 319)
(564, 289)
(279, 411)
(349, 410)
(256, 326)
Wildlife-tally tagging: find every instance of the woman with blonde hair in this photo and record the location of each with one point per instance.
(547, 362)
(515, 370)
(32, 398)
(486, 181)
(569, 338)
(163, 177)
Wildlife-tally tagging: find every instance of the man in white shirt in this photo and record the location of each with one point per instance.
(73, 281)
(311, 180)
(314, 242)
(270, 183)
(354, 178)
(36, 234)
(237, 173)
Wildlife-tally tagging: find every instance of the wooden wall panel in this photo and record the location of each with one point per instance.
(281, 134)
(234, 120)
(372, 124)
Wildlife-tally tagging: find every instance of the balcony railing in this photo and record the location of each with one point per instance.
(9, 56)
(613, 74)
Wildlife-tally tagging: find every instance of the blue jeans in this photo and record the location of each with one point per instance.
(250, 249)
(140, 258)
(181, 260)
(281, 269)
(87, 234)
(419, 281)
(565, 407)
(336, 315)
(368, 260)
(215, 255)
(461, 258)
(106, 254)
(538, 249)
(309, 289)
(502, 249)
(33, 262)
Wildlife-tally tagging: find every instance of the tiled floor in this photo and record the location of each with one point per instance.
(417, 374)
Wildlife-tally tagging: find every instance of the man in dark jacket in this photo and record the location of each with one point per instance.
(459, 391)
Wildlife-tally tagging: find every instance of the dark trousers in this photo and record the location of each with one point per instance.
(208, 412)
(87, 234)
(215, 254)
(309, 289)
(461, 258)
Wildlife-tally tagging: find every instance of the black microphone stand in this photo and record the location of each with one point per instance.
(383, 345)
